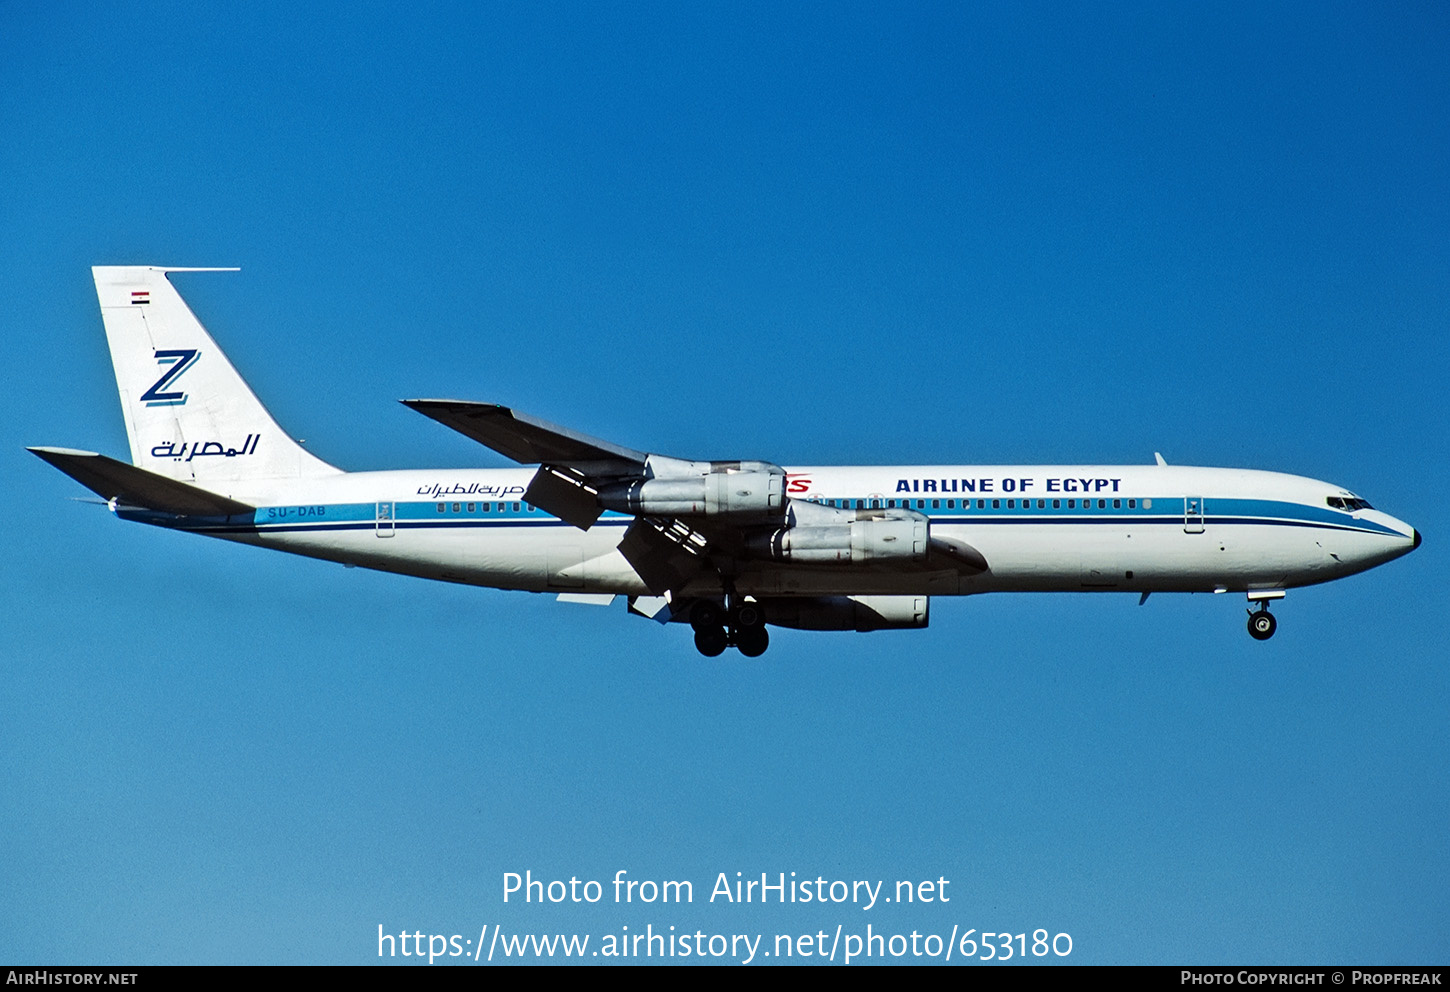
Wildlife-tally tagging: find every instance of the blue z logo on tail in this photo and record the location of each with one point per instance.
(180, 360)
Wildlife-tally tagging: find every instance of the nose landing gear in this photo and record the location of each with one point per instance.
(1262, 623)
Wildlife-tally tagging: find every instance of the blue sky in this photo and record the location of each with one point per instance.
(814, 234)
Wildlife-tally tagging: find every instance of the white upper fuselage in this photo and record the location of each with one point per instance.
(1150, 528)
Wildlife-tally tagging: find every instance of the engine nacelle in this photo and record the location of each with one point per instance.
(747, 496)
(859, 613)
(891, 538)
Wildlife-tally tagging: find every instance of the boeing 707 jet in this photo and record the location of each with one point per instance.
(725, 546)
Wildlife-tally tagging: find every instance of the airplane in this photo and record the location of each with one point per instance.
(727, 547)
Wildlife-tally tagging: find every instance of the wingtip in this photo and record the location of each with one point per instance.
(41, 450)
(421, 405)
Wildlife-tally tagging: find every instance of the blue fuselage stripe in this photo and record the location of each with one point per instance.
(420, 516)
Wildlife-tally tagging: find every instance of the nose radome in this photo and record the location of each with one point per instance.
(1416, 532)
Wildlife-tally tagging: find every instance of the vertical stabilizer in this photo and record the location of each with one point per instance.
(189, 415)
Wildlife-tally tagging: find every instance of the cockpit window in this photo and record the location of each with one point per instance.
(1348, 504)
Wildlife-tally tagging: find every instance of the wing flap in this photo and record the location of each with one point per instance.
(565, 496)
(664, 558)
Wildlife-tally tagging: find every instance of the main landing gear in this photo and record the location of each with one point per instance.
(741, 626)
(1262, 623)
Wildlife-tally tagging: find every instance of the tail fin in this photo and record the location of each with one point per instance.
(189, 416)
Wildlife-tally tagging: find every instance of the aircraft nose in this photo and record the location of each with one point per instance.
(1416, 532)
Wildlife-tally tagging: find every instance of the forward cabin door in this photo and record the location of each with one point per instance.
(1193, 514)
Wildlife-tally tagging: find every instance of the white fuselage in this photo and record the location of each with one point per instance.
(1040, 528)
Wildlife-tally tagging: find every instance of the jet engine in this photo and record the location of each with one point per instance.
(748, 492)
(902, 537)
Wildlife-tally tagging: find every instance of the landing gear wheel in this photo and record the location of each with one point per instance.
(711, 641)
(749, 615)
(1262, 625)
(752, 641)
(704, 615)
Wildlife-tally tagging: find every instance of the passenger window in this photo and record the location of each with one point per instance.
(1117, 504)
(936, 504)
(441, 507)
(455, 507)
(996, 504)
(1132, 504)
(470, 507)
(1057, 504)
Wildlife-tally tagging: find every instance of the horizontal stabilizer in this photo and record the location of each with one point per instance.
(111, 479)
(525, 439)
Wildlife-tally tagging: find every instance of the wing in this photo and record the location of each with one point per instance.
(526, 439)
(572, 466)
(692, 516)
(580, 477)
